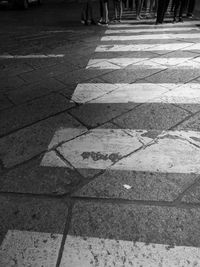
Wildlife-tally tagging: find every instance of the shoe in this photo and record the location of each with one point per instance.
(138, 18)
(189, 15)
(158, 23)
(103, 23)
(93, 22)
(174, 20)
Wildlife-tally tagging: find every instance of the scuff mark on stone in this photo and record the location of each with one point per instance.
(151, 134)
(195, 138)
(114, 157)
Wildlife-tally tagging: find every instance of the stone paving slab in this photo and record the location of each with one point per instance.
(31, 141)
(4, 102)
(46, 174)
(141, 223)
(132, 185)
(89, 251)
(28, 92)
(10, 82)
(99, 149)
(160, 117)
(32, 214)
(15, 69)
(192, 195)
(26, 248)
(31, 112)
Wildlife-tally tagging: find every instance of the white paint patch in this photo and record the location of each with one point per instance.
(175, 29)
(89, 252)
(30, 56)
(151, 37)
(170, 152)
(23, 249)
(145, 47)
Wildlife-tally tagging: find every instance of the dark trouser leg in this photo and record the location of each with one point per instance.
(176, 8)
(101, 8)
(191, 6)
(160, 11)
(182, 7)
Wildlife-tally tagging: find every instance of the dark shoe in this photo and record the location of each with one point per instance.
(93, 22)
(189, 15)
(158, 23)
(174, 20)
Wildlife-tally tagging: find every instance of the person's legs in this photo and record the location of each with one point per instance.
(182, 7)
(115, 9)
(120, 9)
(176, 6)
(191, 7)
(160, 11)
(106, 11)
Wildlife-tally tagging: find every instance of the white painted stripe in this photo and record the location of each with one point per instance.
(171, 152)
(23, 248)
(145, 47)
(163, 36)
(137, 93)
(30, 56)
(85, 251)
(134, 24)
(175, 29)
(41, 249)
(117, 93)
(157, 63)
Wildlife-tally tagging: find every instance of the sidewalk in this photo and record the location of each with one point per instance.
(99, 142)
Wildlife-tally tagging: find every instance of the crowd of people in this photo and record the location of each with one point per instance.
(151, 8)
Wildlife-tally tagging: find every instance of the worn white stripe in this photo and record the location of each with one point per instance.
(171, 152)
(137, 93)
(134, 24)
(23, 248)
(145, 47)
(175, 29)
(30, 56)
(85, 251)
(151, 37)
(41, 249)
(157, 63)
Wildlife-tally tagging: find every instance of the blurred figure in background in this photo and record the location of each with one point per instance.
(87, 12)
(118, 8)
(162, 8)
(138, 7)
(179, 4)
(191, 6)
(151, 8)
(103, 13)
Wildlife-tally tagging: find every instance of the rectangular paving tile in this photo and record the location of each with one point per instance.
(99, 149)
(176, 74)
(31, 112)
(32, 214)
(5, 102)
(90, 251)
(28, 248)
(137, 185)
(28, 92)
(152, 116)
(136, 223)
(31, 141)
(46, 174)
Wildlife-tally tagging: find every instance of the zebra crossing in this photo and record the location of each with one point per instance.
(155, 163)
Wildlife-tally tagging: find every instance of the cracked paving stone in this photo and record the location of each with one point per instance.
(99, 149)
(156, 116)
(171, 152)
(137, 223)
(31, 141)
(32, 214)
(28, 248)
(46, 174)
(31, 112)
(139, 185)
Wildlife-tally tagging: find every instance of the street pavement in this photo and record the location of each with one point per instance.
(99, 141)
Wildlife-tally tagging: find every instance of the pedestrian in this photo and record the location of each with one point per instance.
(179, 4)
(152, 6)
(87, 12)
(103, 13)
(162, 8)
(118, 8)
(191, 6)
(138, 6)
(173, 6)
